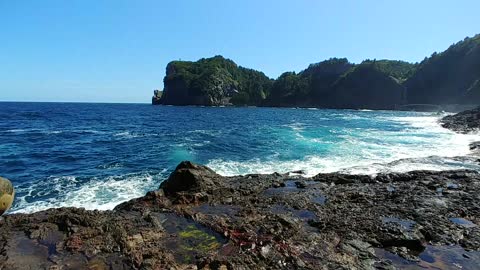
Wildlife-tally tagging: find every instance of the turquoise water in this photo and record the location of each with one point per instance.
(99, 155)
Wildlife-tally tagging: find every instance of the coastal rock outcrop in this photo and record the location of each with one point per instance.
(463, 122)
(213, 82)
(335, 83)
(201, 220)
(157, 95)
(450, 79)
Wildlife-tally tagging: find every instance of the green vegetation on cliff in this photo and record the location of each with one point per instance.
(365, 86)
(337, 83)
(449, 77)
(308, 87)
(214, 81)
(400, 70)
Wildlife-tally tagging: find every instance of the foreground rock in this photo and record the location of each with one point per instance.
(7, 193)
(201, 220)
(463, 122)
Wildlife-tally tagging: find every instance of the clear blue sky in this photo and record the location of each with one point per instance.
(116, 51)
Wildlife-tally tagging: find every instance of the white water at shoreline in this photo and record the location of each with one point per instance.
(424, 153)
(98, 156)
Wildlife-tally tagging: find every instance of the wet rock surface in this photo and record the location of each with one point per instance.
(201, 220)
(464, 122)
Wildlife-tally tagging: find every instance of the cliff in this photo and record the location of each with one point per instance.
(451, 77)
(334, 83)
(212, 82)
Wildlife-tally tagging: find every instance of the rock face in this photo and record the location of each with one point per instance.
(157, 95)
(334, 83)
(212, 82)
(448, 78)
(7, 193)
(201, 220)
(463, 122)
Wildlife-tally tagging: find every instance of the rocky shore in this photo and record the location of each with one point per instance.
(463, 122)
(198, 219)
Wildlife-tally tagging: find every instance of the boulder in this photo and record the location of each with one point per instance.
(7, 193)
(190, 177)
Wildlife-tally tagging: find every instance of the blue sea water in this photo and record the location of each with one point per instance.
(99, 155)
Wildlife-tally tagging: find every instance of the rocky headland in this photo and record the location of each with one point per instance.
(449, 80)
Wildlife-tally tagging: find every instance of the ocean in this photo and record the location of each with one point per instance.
(99, 155)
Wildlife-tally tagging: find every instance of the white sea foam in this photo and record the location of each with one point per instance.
(46, 131)
(67, 191)
(53, 132)
(126, 135)
(423, 145)
(24, 130)
(132, 134)
(90, 131)
(420, 144)
(15, 130)
(209, 132)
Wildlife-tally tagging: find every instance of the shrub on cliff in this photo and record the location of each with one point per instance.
(213, 81)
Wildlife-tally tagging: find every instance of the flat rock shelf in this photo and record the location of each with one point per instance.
(198, 219)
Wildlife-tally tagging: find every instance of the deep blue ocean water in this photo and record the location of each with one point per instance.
(99, 155)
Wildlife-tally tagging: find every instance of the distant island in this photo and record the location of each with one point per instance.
(450, 77)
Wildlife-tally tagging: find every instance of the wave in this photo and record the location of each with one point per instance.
(209, 132)
(244, 142)
(314, 165)
(126, 135)
(111, 165)
(422, 145)
(15, 130)
(46, 131)
(94, 193)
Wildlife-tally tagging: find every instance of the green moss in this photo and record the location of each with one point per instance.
(195, 239)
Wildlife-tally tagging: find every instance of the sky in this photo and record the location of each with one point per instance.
(117, 50)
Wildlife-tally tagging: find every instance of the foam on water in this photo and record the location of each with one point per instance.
(423, 146)
(99, 155)
(94, 193)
